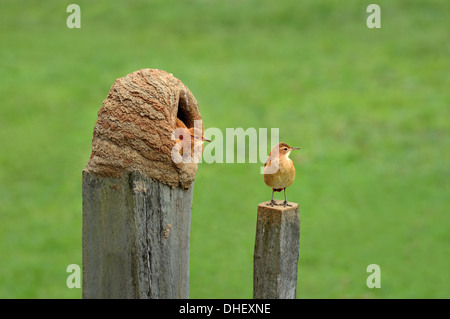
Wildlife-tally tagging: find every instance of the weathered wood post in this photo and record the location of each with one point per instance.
(136, 200)
(275, 260)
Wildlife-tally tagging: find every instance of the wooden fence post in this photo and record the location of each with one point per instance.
(275, 262)
(136, 200)
(135, 238)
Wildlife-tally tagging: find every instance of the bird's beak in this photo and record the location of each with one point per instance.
(205, 140)
(295, 148)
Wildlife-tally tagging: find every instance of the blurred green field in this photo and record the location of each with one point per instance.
(369, 107)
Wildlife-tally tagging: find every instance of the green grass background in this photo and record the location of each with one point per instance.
(369, 107)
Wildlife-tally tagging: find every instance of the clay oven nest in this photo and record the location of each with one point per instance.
(135, 124)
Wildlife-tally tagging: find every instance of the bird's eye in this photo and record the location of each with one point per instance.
(285, 148)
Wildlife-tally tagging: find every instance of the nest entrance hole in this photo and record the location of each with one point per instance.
(184, 112)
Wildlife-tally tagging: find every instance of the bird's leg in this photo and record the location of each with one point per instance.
(272, 202)
(285, 199)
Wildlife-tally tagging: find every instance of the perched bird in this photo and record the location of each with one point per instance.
(279, 170)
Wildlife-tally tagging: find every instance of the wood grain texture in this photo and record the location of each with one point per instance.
(275, 261)
(135, 124)
(136, 234)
